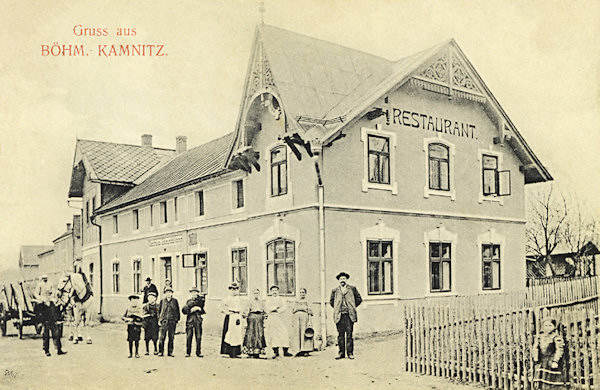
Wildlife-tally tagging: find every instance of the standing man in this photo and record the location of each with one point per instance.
(168, 317)
(148, 288)
(194, 309)
(344, 300)
(45, 295)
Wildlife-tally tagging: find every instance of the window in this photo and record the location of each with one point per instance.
(175, 209)
(379, 159)
(489, 174)
(239, 268)
(439, 167)
(137, 275)
(490, 255)
(379, 267)
(163, 212)
(280, 265)
(200, 203)
(151, 215)
(136, 219)
(168, 269)
(115, 277)
(201, 272)
(440, 259)
(93, 204)
(87, 211)
(91, 274)
(238, 191)
(115, 224)
(279, 171)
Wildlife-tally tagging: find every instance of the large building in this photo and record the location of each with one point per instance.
(406, 174)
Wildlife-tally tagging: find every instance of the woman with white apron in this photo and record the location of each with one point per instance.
(276, 330)
(232, 338)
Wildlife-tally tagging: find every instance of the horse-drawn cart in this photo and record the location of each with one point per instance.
(18, 308)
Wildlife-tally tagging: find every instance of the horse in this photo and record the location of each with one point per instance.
(75, 292)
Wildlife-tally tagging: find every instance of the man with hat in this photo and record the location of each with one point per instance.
(344, 300)
(194, 309)
(148, 288)
(168, 317)
(49, 313)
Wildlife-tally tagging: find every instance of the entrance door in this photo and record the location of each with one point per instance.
(166, 270)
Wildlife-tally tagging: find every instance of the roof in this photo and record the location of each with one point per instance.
(186, 168)
(113, 163)
(29, 254)
(333, 84)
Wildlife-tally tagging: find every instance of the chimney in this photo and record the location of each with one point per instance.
(180, 144)
(68, 227)
(147, 140)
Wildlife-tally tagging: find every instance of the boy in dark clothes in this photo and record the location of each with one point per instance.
(150, 310)
(133, 318)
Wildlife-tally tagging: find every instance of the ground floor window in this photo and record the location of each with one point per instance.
(168, 269)
(281, 262)
(116, 277)
(239, 268)
(91, 274)
(440, 266)
(379, 267)
(201, 272)
(137, 275)
(490, 255)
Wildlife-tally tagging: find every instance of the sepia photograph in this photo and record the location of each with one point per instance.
(247, 194)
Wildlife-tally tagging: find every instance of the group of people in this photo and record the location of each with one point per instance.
(252, 326)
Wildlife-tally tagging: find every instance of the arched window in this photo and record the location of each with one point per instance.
(281, 259)
(279, 181)
(439, 167)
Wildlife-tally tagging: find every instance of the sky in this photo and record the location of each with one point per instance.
(541, 59)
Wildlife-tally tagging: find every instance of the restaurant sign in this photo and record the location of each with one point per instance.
(167, 240)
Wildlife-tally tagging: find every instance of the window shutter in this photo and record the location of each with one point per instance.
(503, 183)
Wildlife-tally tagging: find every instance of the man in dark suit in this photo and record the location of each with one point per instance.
(344, 300)
(168, 317)
(148, 288)
(194, 309)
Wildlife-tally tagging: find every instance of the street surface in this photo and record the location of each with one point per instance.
(104, 365)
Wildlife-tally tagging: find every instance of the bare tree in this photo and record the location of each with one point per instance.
(547, 212)
(579, 233)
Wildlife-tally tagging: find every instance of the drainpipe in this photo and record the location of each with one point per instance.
(93, 221)
(321, 198)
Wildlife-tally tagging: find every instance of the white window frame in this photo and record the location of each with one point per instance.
(237, 246)
(115, 225)
(284, 200)
(499, 156)
(133, 274)
(279, 229)
(494, 238)
(427, 192)
(197, 214)
(112, 274)
(166, 212)
(440, 234)
(176, 206)
(135, 229)
(364, 137)
(380, 232)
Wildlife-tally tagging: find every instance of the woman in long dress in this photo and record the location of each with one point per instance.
(302, 319)
(231, 340)
(254, 340)
(275, 327)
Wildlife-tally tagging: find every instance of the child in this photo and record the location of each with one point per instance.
(548, 351)
(133, 318)
(150, 310)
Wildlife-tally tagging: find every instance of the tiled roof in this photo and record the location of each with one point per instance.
(29, 253)
(313, 75)
(120, 162)
(186, 168)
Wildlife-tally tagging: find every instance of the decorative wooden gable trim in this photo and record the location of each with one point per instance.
(261, 77)
(449, 76)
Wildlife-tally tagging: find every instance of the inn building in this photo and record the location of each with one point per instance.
(407, 174)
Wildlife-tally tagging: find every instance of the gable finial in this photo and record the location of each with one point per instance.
(261, 9)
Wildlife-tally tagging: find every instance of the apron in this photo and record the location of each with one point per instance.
(234, 335)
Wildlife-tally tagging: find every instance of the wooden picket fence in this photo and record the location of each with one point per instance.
(488, 339)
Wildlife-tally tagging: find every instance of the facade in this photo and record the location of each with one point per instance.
(29, 260)
(406, 174)
(67, 248)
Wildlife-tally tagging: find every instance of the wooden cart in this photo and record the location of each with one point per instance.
(18, 308)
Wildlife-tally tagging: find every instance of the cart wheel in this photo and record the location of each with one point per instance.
(20, 323)
(38, 328)
(3, 316)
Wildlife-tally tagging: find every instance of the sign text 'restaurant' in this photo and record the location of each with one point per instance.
(430, 123)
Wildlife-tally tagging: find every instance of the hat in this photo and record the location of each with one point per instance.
(44, 276)
(168, 289)
(133, 296)
(342, 274)
(148, 279)
(274, 286)
(152, 293)
(194, 289)
(234, 286)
